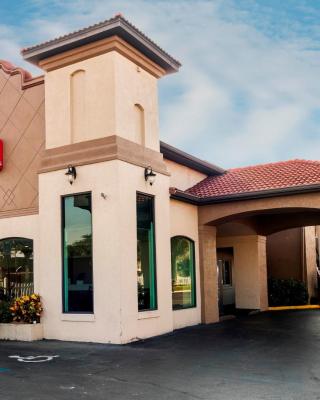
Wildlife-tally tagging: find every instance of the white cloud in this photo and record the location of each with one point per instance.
(10, 49)
(242, 95)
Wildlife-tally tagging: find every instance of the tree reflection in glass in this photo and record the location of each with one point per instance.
(77, 253)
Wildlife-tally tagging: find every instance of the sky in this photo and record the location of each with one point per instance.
(248, 91)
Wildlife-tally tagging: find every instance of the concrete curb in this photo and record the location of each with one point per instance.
(306, 307)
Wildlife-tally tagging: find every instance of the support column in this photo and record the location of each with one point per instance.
(310, 260)
(249, 270)
(263, 275)
(208, 274)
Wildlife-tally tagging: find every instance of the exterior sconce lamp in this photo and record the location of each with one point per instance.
(149, 175)
(71, 174)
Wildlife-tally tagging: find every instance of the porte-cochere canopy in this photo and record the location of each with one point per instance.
(259, 199)
(238, 208)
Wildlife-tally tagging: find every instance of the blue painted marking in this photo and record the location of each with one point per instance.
(4, 369)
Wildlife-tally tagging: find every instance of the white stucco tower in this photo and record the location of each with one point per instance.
(102, 118)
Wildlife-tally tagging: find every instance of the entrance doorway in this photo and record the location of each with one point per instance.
(226, 291)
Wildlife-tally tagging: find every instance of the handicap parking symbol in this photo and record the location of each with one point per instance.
(34, 359)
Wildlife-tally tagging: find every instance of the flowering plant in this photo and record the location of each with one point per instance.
(27, 309)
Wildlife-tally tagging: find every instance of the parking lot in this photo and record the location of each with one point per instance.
(264, 356)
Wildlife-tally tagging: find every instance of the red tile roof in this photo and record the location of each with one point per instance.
(11, 69)
(279, 175)
(27, 80)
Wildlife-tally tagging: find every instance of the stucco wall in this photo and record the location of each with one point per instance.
(104, 325)
(184, 222)
(116, 318)
(134, 85)
(292, 254)
(144, 324)
(99, 100)
(211, 213)
(250, 270)
(112, 86)
(183, 177)
(310, 260)
(22, 132)
(208, 274)
(284, 254)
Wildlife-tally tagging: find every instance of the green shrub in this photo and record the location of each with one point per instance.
(5, 303)
(287, 292)
(5, 313)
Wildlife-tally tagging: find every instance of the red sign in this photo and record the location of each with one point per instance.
(1, 154)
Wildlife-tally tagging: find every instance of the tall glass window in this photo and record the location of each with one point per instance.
(146, 268)
(16, 266)
(183, 273)
(77, 254)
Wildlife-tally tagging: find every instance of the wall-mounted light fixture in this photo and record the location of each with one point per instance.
(149, 175)
(71, 174)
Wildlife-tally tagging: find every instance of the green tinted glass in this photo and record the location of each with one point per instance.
(77, 254)
(147, 296)
(16, 266)
(183, 273)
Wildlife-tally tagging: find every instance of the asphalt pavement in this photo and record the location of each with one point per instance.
(273, 356)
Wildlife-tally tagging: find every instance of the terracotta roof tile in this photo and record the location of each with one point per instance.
(11, 69)
(279, 175)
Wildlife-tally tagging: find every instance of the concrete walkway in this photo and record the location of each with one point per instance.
(266, 356)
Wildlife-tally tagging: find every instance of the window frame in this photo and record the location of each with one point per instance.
(153, 197)
(62, 197)
(194, 283)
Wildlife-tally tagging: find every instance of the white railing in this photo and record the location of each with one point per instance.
(21, 289)
(180, 280)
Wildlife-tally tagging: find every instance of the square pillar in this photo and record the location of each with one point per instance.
(310, 260)
(262, 270)
(249, 270)
(208, 274)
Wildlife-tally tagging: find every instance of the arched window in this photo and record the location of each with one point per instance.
(77, 105)
(16, 266)
(139, 125)
(183, 273)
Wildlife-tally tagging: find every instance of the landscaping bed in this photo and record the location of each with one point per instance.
(20, 318)
(23, 332)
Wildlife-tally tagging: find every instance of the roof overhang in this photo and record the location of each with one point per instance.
(180, 157)
(117, 26)
(177, 194)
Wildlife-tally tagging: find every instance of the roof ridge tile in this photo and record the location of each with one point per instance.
(274, 163)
